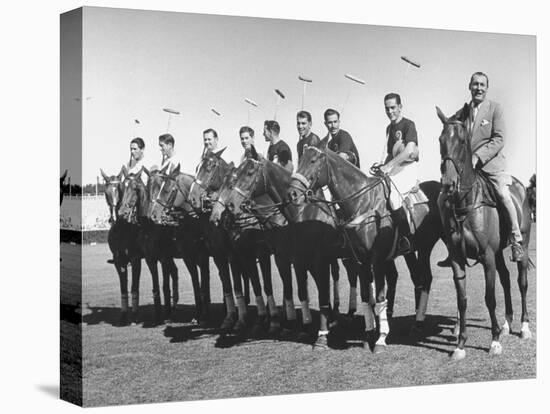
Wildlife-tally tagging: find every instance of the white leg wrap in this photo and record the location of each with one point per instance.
(273, 311)
(422, 306)
(290, 310)
(353, 299)
(369, 316)
(496, 348)
(525, 331)
(380, 309)
(505, 330)
(306, 313)
(260, 304)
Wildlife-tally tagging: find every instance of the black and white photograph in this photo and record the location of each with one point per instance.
(277, 205)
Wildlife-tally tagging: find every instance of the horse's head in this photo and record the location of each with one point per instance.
(456, 153)
(210, 174)
(134, 197)
(61, 184)
(240, 187)
(113, 192)
(165, 193)
(312, 172)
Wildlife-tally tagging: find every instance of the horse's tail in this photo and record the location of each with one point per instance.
(531, 265)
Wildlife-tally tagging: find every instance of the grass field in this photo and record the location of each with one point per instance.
(179, 361)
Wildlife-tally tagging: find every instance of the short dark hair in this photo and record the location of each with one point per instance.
(210, 130)
(479, 74)
(167, 138)
(304, 114)
(273, 126)
(330, 112)
(393, 95)
(139, 142)
(246, 129)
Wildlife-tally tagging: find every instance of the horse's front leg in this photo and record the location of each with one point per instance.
(380, 308)
(459, 278)
(490, 300)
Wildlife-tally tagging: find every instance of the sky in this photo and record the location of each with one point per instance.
(135, 63)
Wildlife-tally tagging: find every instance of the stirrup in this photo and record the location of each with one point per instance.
(517, 252)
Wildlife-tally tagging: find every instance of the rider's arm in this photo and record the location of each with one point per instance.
(410, 153)
(495, 143)
(345, 148)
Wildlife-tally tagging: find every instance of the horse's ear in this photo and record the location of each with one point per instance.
(138, 175)
(163, 170)
(64, 175)
(176, 171)
(121, 173)
(253, 153)
(323, 143)
(231, 165)
(105, 176)
(220, 152)
(441, 115)
(146, 171)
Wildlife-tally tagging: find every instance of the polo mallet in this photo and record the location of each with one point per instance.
(215, 112)
(409, 62)
(305, 81)
(355, 80)
(250, 103)
(280, 97)
(170, 113)
(136, 124)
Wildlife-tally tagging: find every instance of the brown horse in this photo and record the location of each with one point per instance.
(169, 207)
(243, 247)
(122, 240)
(474, 230)
(155, 242)
(366, 219)
(261, 187)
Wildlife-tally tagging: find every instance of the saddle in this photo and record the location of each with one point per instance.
(415, 203)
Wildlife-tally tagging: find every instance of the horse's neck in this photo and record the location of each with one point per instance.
(184, 182)
(345, 180)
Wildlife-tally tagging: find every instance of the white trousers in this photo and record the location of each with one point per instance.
(403, 182)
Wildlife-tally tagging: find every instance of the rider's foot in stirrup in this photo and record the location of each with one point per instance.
(403, 245)
(517, 252)
(111, 261)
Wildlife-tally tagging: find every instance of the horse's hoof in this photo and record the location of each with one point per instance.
(505, 330)
(379, 349)
(321, 342)
(496, 348)
(240, 328)
(274, 329)
(458, 354)
(134, 318)
(228, 323)
(526, 334)
(123, 319)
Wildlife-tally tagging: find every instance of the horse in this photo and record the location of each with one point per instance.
(122, 240)
(61, 184)
(168, 207)
(311, 241)
(155, 242)
(244, 247)
(367, 224)
(475, 230)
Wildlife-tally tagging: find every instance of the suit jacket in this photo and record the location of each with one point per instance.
(487, 135)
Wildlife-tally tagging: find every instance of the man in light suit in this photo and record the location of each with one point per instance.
(486, 131)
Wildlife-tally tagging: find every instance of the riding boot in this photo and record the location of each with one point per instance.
(445, 262)
(399, 217)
